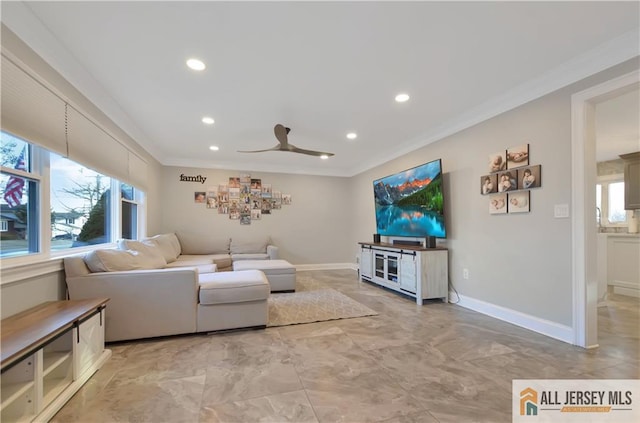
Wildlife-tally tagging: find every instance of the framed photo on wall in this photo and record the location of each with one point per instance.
(498, 203)
(498, 161)
(488, 184)
(518, 156)
(530, 177)
(519, 202)
(507, 181)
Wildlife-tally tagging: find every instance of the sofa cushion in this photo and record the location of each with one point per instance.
(249, 247)
(258, 256)
(148, 248)
(233, 287)
(202, 268)
(168, 245)
(198, 243)
(120, 260)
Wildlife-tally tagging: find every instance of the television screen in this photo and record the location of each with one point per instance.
(410, 203)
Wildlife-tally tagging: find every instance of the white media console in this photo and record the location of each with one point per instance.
(422, 273)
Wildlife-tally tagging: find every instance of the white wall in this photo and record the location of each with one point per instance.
(314, 229)
(521, 262)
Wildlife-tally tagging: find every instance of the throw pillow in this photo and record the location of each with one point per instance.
(150, 253)
(168, 245)
(113, 260)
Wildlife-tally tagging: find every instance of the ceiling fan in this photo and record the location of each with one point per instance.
(281, 134)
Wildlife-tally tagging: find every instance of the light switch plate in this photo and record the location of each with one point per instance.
(561, 211)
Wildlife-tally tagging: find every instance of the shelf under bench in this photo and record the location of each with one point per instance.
(48, 352)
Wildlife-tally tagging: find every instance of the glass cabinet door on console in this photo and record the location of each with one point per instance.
(386, 267)
(392, 268)
(379, 265)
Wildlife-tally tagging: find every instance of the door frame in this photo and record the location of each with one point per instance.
(583, 203)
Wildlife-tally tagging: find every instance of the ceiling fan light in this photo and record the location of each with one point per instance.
(195, 64)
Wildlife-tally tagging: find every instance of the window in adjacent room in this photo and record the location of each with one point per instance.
(610, 201)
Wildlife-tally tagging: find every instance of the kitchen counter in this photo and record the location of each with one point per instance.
(621, 235)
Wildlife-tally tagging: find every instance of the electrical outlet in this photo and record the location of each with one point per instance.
(465, 273)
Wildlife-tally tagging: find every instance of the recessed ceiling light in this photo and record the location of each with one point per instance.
(208, 120)
(352, 135)
(196, 64)
(324, 157)
(401, 98)
(214, 148)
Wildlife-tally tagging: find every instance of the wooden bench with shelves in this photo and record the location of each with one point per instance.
(48, 352)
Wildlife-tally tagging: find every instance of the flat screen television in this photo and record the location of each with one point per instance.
(410, 203)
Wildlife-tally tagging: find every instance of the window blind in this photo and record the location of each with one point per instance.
(31, 111)
(35, 113)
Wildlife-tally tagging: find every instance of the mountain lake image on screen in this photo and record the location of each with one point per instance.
(410, 203)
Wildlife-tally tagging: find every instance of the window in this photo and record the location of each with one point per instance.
(610, 201)
(19, 202)
(83, 205)
(4, 225)
(130, 199)
(79, 203)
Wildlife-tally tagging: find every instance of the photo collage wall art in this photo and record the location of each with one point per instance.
(243, 198)
(510, 180)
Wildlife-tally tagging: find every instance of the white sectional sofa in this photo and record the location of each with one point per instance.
(184, 249)
(168, 284)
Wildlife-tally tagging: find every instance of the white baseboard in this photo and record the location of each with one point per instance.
(325, 266)
(545, 327)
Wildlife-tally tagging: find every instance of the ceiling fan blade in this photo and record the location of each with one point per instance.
(276, 148)
(295, 149)
(281, 134)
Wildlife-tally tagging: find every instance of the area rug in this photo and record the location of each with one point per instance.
(313, 306)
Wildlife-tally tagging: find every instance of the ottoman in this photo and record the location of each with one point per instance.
(280, 273)
(232, 300)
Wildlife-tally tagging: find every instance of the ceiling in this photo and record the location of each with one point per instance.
(321, 68)
(617, 124)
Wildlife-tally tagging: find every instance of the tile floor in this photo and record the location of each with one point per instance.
(433, 363)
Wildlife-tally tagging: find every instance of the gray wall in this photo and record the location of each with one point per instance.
(518, 261)
(314, 229)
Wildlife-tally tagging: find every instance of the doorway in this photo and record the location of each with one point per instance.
(583, 203)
